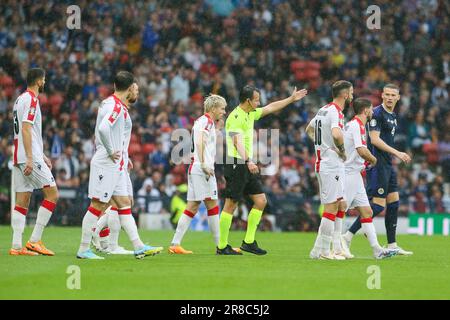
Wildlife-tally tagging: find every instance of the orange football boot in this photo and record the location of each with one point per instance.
(178, 250)
(22, 252)
(39, 248)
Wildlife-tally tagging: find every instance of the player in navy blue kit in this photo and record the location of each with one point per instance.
(382, 178)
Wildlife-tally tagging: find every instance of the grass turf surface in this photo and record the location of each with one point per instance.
(285, 273)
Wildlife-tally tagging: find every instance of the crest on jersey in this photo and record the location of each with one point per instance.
(373, 122)
(113, 117)
(380, 191)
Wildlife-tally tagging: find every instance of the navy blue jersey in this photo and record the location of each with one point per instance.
(386, 123)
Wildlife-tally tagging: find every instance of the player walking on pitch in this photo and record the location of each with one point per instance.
(110, 243)
(107, 178)
(241, 173)
(32, 169)
(202, 185)
(326, 129)
(355, 193)
(382, 178)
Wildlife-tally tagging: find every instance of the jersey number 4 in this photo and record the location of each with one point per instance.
(16, 123)
(318, 133)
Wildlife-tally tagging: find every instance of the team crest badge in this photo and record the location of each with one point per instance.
(373, 122)
(380, 191)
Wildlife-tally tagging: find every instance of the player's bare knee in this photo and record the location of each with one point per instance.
(51, 194)
(122, 202)
(230, 205)
(193, 206)
(260, 202)
(98, 205)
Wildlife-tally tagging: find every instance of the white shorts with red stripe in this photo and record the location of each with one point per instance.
(105, 183)
(331, 185)
(40, 177)
(201, 188)
(355, 193)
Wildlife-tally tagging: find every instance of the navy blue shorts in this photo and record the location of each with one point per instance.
(381, 180)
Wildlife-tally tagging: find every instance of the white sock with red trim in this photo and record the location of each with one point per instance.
(114, 229)
(214, 224)
(18, 218)
(326, 230)
(337, 247)
(369, 231)
(129, 225)
(89, 222)
(43, 216)
(182, 226)
(102, 222)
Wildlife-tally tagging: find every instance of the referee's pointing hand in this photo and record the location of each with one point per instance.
(297, 95)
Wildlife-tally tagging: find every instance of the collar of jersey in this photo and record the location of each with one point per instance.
(31, 92)
(242, 110)
(358, 120)
(382, 106)
(337, 106)
(117, 99)
(208, 116)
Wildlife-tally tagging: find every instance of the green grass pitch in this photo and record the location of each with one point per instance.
(285, 273)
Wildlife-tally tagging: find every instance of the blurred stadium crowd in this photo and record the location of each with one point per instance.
(182, 50)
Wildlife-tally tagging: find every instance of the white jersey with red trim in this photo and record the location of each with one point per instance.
(203, 125)
(110, 132)
(27, 109)
(328, 117)
(354, 137)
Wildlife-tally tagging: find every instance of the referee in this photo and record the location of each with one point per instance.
(241, 173)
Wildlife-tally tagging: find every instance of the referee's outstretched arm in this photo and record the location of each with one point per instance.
(281, 104)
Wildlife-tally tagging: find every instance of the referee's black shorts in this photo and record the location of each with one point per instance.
(240, 181)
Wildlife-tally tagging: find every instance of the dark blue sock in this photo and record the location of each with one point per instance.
(390, 221)
(377, 209)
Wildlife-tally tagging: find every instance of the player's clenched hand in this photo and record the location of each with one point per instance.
(115, 156)
(297, 95)
(404, 157)
(253, 168)
(28, 167)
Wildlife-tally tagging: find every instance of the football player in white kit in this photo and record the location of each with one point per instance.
(355, 193)
(326, 129)
(108, 240)
(107, 178)
(202, 185)
(32, 169)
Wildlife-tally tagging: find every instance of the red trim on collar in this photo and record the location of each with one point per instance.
(358, 120)
(117, 99)
(31, 92)
(337, 106)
